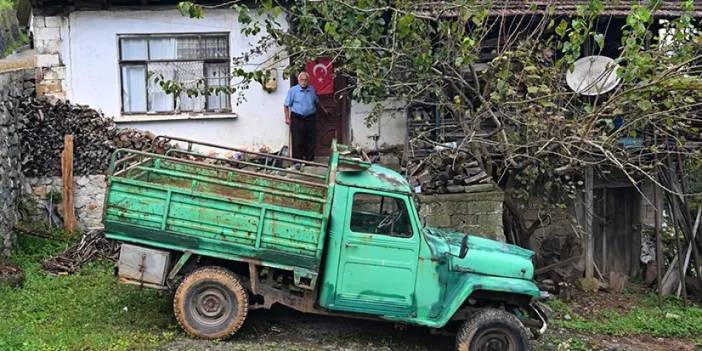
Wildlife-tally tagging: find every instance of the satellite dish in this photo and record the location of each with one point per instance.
(593, 75)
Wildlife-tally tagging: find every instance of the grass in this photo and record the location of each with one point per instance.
(644, 318)
(23, 40)
(85, 311)
(6, 4)
(91, 311)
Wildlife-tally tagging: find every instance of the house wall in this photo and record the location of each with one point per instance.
(389, 132)
(85, 44)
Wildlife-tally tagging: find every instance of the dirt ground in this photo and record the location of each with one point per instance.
(283, 329)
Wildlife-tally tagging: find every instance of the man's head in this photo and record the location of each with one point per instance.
(303, 79)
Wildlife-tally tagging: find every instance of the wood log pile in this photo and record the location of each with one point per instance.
(446, 171)
(93, 245)
(43, 126)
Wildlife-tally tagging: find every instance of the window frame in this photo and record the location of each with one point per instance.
(401, 198)
(144, 63)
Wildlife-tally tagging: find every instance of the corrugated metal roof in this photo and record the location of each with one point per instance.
(667, 8)
(616, 8)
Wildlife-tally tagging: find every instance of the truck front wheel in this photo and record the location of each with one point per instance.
(492, 329)
(211, 303)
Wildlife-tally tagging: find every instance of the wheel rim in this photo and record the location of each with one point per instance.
(211, 305)
(495, 340)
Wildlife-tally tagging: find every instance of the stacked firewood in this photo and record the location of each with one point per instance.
(446, 171)
(93, 245)
(44, 124)
(130, 138)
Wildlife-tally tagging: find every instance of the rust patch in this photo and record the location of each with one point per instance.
(387, 178)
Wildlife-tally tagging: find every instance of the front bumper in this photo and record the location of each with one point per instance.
(541, 317)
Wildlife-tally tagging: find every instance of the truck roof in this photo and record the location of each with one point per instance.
(375, 177)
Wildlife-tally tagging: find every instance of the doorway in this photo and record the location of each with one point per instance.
(617, 223)
(332, 117)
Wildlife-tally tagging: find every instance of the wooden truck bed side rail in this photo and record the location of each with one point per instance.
(209, 206)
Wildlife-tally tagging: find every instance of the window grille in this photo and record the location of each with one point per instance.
(195, 61)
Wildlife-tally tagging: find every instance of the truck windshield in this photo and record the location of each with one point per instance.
(375, 214)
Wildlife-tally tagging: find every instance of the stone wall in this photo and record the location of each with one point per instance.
(477, 213)
(13, 85)
(89, 195)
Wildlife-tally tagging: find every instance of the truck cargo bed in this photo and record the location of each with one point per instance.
(211, 207)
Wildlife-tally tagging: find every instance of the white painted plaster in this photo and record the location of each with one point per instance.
(93, 75)
(391, 127)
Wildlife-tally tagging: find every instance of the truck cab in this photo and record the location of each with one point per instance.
(375, 258)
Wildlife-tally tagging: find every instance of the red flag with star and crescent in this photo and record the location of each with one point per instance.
(321, 73)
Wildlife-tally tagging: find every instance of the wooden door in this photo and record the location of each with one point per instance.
(616, 230)
(332, 118)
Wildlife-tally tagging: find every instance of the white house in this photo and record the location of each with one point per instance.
(100, 54)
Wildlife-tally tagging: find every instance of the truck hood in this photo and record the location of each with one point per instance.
(485, 256)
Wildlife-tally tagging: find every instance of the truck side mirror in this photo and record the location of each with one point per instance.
(464, 248)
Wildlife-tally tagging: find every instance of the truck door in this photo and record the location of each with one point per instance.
(378, 256)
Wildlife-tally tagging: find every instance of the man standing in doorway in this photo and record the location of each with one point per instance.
(300, 110)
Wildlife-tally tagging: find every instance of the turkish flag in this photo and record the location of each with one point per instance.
(321, 74)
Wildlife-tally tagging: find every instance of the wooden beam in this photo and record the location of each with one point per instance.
(551, 267)
(604, 230)
(69, 216)
(589, 237)
(659, 242)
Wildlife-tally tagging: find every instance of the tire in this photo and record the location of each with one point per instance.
(211, 303)
(492, 329)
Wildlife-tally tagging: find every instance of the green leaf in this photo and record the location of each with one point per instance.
(330, 28)
(532, 90)
(190, 9)
(644, 105)
(184, 7)
(562, 28)
(599, 39)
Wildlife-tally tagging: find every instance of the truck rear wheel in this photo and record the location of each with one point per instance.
(211, 303)
(492, 329)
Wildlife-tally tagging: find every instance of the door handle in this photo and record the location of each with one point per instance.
(348, 244)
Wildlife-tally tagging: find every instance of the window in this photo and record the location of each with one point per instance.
(186, 58)
(376, 214)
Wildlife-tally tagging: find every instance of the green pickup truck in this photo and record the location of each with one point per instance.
(232, 234)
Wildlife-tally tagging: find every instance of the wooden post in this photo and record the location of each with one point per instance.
(659, 243)
(589, 238)
(604, 231)
(69, 216)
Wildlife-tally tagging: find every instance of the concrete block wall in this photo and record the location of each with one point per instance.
(50, 34)
(475, 213)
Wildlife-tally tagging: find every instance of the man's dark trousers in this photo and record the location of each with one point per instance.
(303, 136)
